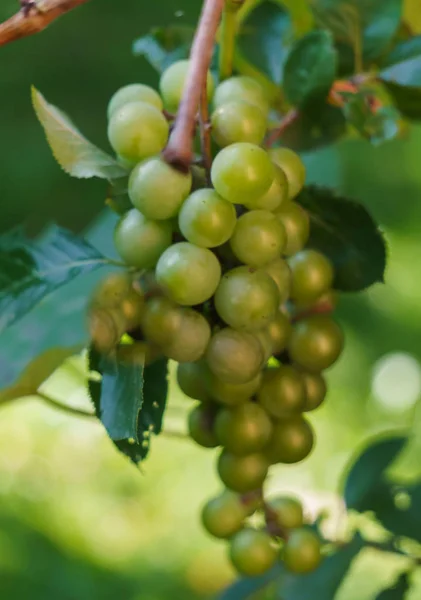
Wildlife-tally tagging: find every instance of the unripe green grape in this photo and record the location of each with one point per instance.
(275, 197)
(246, 299)
(302, 551)
(201, 425)
(192, 338)
(192, 379)
(138, 353)
(316, 343)
(161, 320)
(133, 306)
(157, 189)
(297, 226)
(265, 342)
(224, 515)
(279, 331)
(282, 393)
(134, 92)
(252, 552)
(259, 238)
(279, 271)
(241, 87)
(292, 440)
(188, 274)
(287, 512)
(140, 241)
(137, 130)
(232, 394)
(238, 121)
(311, 276)
(206, 219)
(234, 356)
(111, 290)
(242, 172)
(315, 386)
(172, 83)
(243, 429)
(106, 327)
(293, 168)
(242, 473)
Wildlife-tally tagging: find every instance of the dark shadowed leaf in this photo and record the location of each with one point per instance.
(246, 587)
(367, 472)
(310, 68)
(404, 50)
(29, 270)
(377, 126)
(130, 401)
(164, 45)
(345, 232)
(264, 38)
(325, 581)
(74, 153)
(397, 591)
(403, 82)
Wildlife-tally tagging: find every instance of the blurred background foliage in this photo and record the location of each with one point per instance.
(77, 521)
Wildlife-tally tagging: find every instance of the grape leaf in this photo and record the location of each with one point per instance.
(377, 126)
(403, 82)
(130, 400)
(403, 51)
(74, 153)
(397, 591)
(29, 270)
(310, 69)
(367, 472)
(345, 232)
(164, 45)
(246, 587)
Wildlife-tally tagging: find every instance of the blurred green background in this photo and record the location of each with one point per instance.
(77, 521)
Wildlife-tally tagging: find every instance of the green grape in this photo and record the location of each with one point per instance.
(135, 92)
(201, 425)
(293, 167)
(315, 386)
(224, 515)
(243, 429)
(266, 343)
(302, 552)
(287, 512)
(279, 271)
(252, 552)
(311, 276)
(140, 241)
(172, 84)
(157, 189)
(137, 130)
(259, 238)
(246, 299)
(292, 440)
(161, 320)
(206, 219)
(275, 197)
(242, 172)
(316, 343)
(238, 121)
(133, 306)
(233, 394)
(111, 291)
(138, 353)
(234, 356)
(192, 339)
(282, 393)
(242, 473)
(241, 87)
(106, 327)
(188, 274)
(297, 227)
(192, 380)
(279, 331)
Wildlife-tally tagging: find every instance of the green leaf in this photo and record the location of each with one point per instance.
(326, 580)
(377, 126)
(29, 270)
(164, 45)
(345, 232)
(397, 591)
(246, 587)
(407, 99)
(74, 153)
(404, 50)
(405, 73)
(310, 69)
(263, 38)
(368, 472)
(130, 401)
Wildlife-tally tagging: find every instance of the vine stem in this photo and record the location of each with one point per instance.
(205, 131)
(34, 17)
(286, 122)
(179, 150)
(76, 412)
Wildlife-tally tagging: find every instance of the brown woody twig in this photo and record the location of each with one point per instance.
(34, 17)
(205, 129)
(286, 122)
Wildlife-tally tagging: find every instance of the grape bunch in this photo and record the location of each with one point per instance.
(228, 289)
